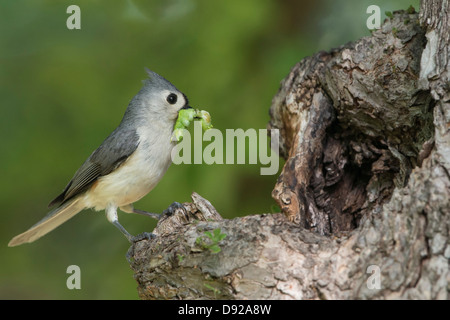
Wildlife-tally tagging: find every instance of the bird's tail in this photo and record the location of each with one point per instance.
(52, 220)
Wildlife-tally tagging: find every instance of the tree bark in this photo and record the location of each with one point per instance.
(364, 193)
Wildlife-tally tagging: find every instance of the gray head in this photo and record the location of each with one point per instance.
(158, 100)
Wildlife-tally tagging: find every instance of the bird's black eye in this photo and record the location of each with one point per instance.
(172, 98)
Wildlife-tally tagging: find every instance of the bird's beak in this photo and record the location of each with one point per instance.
(186, 107)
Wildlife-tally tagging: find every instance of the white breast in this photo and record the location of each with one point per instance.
(137, 176)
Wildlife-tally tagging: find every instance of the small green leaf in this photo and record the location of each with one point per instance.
(208, 234)
(394, 32)
(213, 243)
(389, 14)
(221, 237)
(411, 10)
(215, 290)
(215, 248)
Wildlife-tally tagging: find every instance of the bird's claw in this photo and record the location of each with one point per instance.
(133, 240)
(142, 236)
(173, 208)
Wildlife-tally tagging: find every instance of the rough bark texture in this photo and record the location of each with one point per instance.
(354, 123)
(365, 190)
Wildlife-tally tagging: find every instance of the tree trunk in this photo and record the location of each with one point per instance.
(364, 193)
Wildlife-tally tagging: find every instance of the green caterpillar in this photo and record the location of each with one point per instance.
(185, 117)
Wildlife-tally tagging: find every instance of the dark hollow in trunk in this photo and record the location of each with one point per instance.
(353, 123)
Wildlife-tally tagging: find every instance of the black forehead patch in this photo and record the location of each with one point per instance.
(185, 99)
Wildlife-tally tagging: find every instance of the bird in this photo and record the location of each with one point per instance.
(126, 166)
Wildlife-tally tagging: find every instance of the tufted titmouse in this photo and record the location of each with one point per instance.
(126, 166)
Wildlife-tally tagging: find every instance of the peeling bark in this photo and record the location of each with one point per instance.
(365, 131)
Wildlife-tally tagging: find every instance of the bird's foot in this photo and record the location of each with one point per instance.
(166, 213)
(173, 208)
(142, 236)
(133, 240)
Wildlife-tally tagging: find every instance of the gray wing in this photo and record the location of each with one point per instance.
(119, 145)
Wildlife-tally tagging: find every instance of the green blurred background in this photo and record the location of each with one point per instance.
(63, 91)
